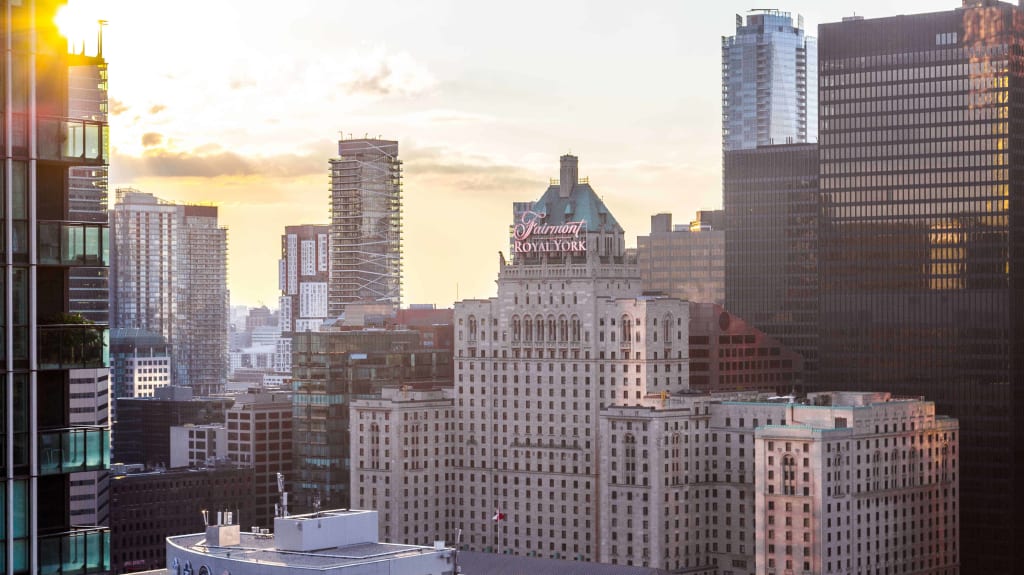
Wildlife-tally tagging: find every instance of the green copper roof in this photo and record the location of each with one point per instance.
(582, 204)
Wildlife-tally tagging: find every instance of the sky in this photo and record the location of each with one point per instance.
(240, 104)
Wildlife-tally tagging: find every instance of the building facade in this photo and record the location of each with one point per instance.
(170, 277)
(685, 262)
(330, 370)
(769, 86)
(259, 437)
(366, 225)
(149, 507)
(303, 276)
(45, 341)
(771, 242)
(922, 261)
(567, 335)
(141, 432)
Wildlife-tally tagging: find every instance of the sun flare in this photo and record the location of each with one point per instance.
(78, 23)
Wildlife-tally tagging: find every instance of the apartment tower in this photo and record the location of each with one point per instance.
(44, 341)
(366, 225)
(922, 238)
(170, 278)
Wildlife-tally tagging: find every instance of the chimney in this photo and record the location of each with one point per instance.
(569, 175)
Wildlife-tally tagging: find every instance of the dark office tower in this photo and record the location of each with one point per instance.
(922, 239)
(43, 340)
(366, 225)
(771, 263)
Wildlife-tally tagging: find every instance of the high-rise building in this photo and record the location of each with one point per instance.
(259, 427)
(771, 242)
(922, 238)
(45, 340)
(769, 88)
(303, 277)
(366, 225)
(169, 275)
(685, 262)
(330, 370)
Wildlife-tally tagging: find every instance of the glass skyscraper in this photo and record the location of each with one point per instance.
(769, 87)
(41, 443)
(922, 241)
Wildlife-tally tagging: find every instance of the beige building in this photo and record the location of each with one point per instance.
(685, 261)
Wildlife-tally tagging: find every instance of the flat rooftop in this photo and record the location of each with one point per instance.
(260, 549)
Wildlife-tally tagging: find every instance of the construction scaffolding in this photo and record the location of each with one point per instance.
(366, 224)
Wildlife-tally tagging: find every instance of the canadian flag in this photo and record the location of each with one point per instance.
(498, 516)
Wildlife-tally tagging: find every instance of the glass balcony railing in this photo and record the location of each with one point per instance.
(69, 346)
(78, 552)
(70, 139)
(74, 243)
(74, 449)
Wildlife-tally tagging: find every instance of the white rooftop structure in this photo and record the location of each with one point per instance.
(336, 542)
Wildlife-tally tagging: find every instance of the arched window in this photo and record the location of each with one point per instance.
(528, 336)
(563, 329)
(575, 328)
(540, 328)
(627, 328)
(552, 334)
(517, 328)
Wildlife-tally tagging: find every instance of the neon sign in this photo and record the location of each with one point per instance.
(532, 235)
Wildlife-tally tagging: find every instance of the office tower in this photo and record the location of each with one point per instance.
(127, 347)
(769, 87)
(366, 225)
(771, 242)
(148, 507)
(303, 277)
(169, 275)
(922, 257)
(44, 341)
(685, 262)
(330, 369)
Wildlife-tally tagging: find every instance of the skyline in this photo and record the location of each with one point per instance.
(481, 113)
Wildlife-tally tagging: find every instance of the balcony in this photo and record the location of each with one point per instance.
(78, 552)
(80, 142)
(74, 244)
(71, 346)
(74, 449)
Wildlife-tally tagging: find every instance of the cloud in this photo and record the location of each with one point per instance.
(239, 83)
(381, 74)
(152, 139)
(212, 162)
(116, 107)
(157, 108)
(469, 174)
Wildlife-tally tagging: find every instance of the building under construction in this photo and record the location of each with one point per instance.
(366, 224)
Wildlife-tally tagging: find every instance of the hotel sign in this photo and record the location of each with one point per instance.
(532, 235)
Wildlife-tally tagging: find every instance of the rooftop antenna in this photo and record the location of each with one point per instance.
(284, 494)
(316, 504)
(206, 518)
(99, 38)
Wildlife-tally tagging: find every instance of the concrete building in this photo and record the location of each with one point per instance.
(149, 507)
(922, 256)
(145, 375)
(685, 262)
(198, 445)
(401, 451)
(567, 335)
(335, 542)
(303, 277)
(366, 225)
(169, 275)
(762, 486)
(45, 339)
(769, 85)
(259, 437)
